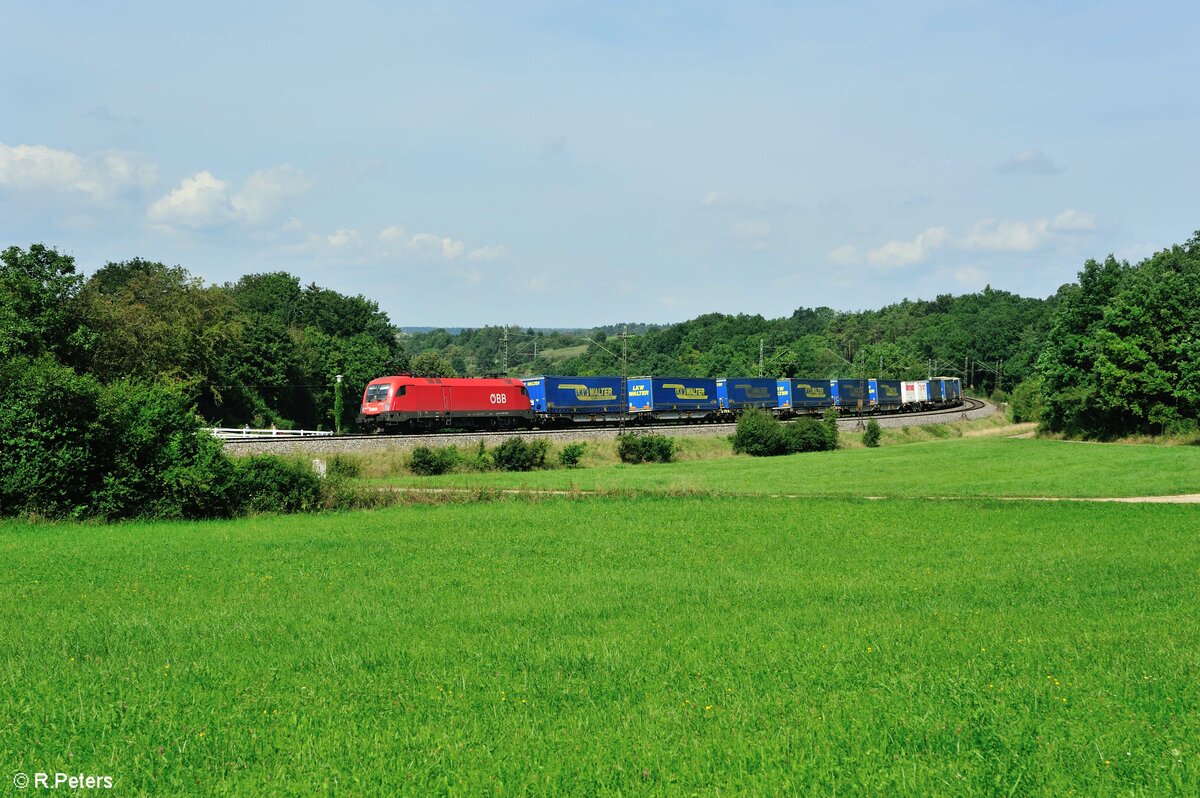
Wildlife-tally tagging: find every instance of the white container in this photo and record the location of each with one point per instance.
(912, 392)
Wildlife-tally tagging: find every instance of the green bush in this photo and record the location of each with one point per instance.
(156, 460)
(831, 429)
(873, 434)
(270, 484)
(807, 435)
(426, 461)
(75, 449)
(47, 433)
(342, 466)
(759, 434)
(570, 455)
(517, 454)
(1025, 402)
(480, 459)
(645, 448)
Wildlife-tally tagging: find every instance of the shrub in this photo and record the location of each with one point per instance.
(873, 434)
(427, 462)
(645, 448)
(480, 459)
(47, 430)
(1026, 401)
(570, 455)
(758, 434)
(270, 484)
(831, 429)
(342, 466)
(807, 435)
(74, 448)
(157, 462)
(517, 454)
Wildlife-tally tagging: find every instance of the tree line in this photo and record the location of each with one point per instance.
(991, 338)
(263, 350)
(104, 380)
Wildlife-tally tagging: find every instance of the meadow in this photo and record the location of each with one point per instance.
(627, 644)
(979, 467)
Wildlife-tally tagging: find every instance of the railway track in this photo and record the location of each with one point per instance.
(347, 443)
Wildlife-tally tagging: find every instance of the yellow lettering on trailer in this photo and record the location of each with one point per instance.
(689, 394)
(585, 394)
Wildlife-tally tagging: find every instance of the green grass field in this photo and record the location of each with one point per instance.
(638, 644)
(992, 467)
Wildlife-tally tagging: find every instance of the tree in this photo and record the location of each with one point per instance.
(432, 364)
(154, 321)
(872, 434)
(1067, 364)
(1124, 352)
(39, 312)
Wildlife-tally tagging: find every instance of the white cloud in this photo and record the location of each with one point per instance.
(100, 177)
(488, 253)
(1025, 236)
(1073, 221)
(897, 254)
(205, 201)
(342, 238)
(1028, 162)
(265, 193)
(426, 243)
(392, 235)
(1006, 236)
(846, 255)
(199, 202)
(422, 244)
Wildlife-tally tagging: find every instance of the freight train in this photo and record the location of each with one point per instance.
(404, 403)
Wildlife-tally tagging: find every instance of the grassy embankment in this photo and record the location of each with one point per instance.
(987, 466)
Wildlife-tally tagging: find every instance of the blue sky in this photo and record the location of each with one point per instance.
(580, 163)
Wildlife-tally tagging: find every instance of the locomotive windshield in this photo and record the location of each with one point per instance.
(377, 393)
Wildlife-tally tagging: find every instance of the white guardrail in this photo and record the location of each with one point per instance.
(231, 433)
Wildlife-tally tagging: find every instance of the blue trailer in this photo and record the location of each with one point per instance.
(856, 395)
(576, 399)
(673, 397)
(887, 394)
(946, 390)
(811, 395)
(739, 393)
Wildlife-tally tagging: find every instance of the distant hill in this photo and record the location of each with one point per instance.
(609, 329)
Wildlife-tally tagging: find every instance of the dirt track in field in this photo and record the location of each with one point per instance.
(1185, 498)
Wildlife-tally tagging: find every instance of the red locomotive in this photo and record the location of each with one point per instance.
(393, 404)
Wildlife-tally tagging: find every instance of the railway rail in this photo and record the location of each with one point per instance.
(359, 442)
